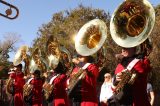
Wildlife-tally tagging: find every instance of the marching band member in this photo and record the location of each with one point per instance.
(75, 96)
(135, 94)
(37, 83)
(36, 92)
(87, 91)
(89, 83)
(17, 77)
(59, 83)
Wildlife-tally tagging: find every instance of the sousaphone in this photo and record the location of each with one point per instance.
(91, 37)
(20, 56)
(53, 52)
(88, 41)
(65, 51)
(36, 61)
(130, 26)
(66, 59)
(132, 23)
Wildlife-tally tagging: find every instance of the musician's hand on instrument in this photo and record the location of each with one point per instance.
(25, 77)
(45, 75)
(75, 61)
(119, 76)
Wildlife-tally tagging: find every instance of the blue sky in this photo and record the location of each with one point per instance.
(34, 13)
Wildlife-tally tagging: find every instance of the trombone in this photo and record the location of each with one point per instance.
(8, 11)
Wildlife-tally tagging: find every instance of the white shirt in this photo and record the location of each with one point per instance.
(106, 91)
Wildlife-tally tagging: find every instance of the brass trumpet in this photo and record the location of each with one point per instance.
(8, 12)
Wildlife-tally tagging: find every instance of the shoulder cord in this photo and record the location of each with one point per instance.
(53, 78)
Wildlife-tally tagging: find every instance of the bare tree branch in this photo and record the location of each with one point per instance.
(8, 44)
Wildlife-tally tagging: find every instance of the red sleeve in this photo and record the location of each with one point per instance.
(13, 75)
(60, 79)
(89, 84)
(92, 76)
(147, 64)
(119, 68)
(19, 80)
(143, 66)
(94, 70)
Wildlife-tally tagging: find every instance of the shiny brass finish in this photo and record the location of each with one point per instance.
(132, 22)
(27, 89)
(91, 37)
(53, 52)
(9, 86)
(36, 61)
(101, 57)
(21, 55)
(130, 26)
(36, 57)
(135, 25)
(48, 90)
(126, 76)
(131, 18)
(66, 59)
(8, 12)
(74, 80)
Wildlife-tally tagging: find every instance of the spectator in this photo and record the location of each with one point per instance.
(106, 91)
(150, 93)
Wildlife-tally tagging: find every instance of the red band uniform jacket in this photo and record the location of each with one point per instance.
(139, 93)
(37, 91)
(19, 82)
(60, 95)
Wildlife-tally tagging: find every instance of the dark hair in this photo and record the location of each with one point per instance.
(129, 48)
(59, 68)
(75, 56)
(78, 55)
(37, 73)
(19, 65)
(88, 59)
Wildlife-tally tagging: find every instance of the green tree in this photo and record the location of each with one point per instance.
(65, 24)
